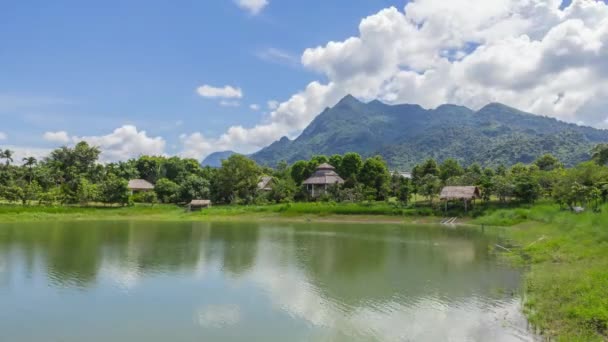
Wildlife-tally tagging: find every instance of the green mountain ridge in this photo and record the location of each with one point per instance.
(408, 134)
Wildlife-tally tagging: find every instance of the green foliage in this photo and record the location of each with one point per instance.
(375, 175)
(236, 180)
(114, 190)
(167, 191)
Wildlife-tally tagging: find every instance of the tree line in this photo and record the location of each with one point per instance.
(74, 175)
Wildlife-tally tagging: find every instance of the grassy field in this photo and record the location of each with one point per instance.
(11, 213)
(566, 287)
(566, 254)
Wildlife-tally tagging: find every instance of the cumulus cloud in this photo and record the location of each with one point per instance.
(227, 92)
(3, 136)
(125, 142)
(254, 7)
(254, 107)
(532, 55)
(57, 137)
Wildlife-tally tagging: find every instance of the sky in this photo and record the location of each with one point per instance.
(193, 77)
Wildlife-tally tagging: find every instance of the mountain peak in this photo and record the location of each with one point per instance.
(348, 100)
(495, 106)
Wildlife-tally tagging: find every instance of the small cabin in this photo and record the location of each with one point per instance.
(198, 205)
(467, 194)
(140, 185)
(265, 184)
(324, 176)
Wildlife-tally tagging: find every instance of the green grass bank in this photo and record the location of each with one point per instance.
(566, 285)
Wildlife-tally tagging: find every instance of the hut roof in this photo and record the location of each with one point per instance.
(140, 184)
(459, 192)
(264, 183)
(324, 174)
(198, 202)
(325, 166)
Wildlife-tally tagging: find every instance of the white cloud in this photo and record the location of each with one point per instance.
(278, 56)
(254, 7)
(57, 137)
(125, 142)
(226, 103)
(3, 136)
(228, 92)
(273, 104)
(528, 54)
(254, 107)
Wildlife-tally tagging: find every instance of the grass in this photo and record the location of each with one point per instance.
(11, 213)
(566, 287)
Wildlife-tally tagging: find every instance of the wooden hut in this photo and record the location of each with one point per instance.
(197, 205)
(140, 185)
(459, 193)
(265, 183)
(324, 176)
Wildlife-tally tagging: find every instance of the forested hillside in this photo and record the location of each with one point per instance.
(406, 135)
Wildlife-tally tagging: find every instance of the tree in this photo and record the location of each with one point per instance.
(548, 162)
(526, 187)
(114, 190)
(299, 171)
(194, 187)
(150, 168)
(7, 155)
(450, 168)
(430, 185)
(375, 175)
(599, 154)
(29, 163)
(166, 190)
(336, 161)
(237, 180)
(282, 190)
(350, 167)
(429, 167)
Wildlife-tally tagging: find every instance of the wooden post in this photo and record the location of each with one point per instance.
(465, 205)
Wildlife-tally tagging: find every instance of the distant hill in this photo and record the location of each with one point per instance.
(215, 158)
(407, 134)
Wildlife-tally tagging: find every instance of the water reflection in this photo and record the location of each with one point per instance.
(249, 281)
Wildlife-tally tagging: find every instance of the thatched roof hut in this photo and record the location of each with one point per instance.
(324, 175)
(265, 183)
(198, 204)
(460, 193)
(140, 185)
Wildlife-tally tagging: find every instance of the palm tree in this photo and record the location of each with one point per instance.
(8, 156)
(30, 162)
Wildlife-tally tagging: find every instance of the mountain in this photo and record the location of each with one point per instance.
(407, 134)
(215, 158)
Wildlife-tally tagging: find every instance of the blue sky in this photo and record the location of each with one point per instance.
(88, 68)
(128, 75)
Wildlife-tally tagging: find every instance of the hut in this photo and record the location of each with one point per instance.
(140, 185)
(265, 184)
(459, 193)
(324, 176)
(197, 205)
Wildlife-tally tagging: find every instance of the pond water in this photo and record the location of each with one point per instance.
(147, 281)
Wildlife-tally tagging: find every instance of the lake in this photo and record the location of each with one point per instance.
(184, 281)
